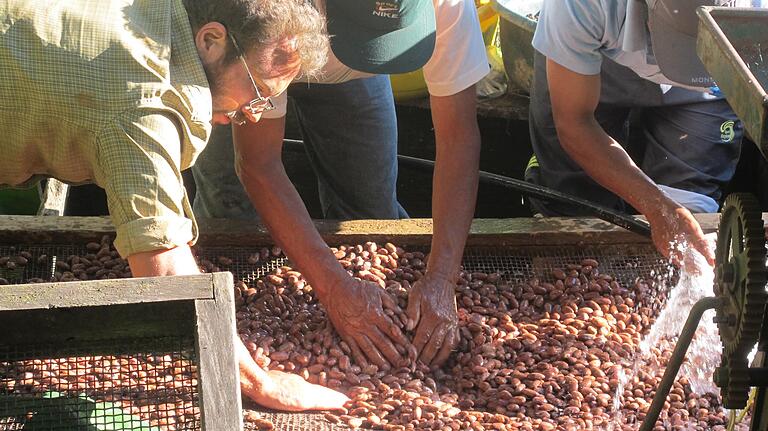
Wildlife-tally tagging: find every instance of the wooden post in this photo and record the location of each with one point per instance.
(54, 198)
(219, 384)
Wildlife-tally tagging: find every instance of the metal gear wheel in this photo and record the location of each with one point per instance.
(740, 277)
(733, 380)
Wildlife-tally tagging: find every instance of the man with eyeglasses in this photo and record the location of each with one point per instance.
(124, 93)
(349, 127)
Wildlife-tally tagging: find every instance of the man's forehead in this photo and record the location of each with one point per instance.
(274, 64)
(275, 59)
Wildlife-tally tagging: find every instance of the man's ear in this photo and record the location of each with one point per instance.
(211, 42)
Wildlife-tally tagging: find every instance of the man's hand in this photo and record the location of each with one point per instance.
(432, 306)
(356, 310)
(671, 224)
(291, 393)
(283, 391)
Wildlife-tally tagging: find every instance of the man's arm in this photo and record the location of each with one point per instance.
(432, 303)
(273, 389)
(140, 163)
(574, 99)
(354, 307)
(258, 162)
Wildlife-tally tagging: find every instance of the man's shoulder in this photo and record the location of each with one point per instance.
(601, 19)
(589, 10)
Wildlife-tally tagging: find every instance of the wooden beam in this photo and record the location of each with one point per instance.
(92, 330)
(219, 382)
(105, 292)
(491, 232)
(16, 229)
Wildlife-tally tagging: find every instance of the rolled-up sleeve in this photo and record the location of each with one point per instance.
(139, 157)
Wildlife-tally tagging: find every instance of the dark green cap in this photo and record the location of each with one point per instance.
(382, 36)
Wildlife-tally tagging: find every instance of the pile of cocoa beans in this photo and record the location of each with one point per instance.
(543, 354)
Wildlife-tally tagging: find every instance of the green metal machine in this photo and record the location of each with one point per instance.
(730, 43)
(733, 45)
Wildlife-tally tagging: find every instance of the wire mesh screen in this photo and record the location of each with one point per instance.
(246, 264)
(625, 262)
(21, 264)
(143, 384)
(28, 263)
(290, 421)
(121, 384)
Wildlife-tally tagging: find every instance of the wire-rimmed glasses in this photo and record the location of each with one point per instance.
(254, 107)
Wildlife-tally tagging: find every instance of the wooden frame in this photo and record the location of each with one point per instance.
(491, 232)
(59, 315)
(483, 232)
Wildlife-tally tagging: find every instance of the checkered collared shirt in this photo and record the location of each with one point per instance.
(111, 92)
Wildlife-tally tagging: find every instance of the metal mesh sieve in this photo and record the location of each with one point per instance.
(141, 384)
(625, 262)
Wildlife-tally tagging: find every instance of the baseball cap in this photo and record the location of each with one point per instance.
(673, 25)
(382, 36)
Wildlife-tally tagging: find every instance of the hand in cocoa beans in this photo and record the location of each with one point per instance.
(673, 223)
(290, 392)
(283, 391)
(357, 312)
(432, 309)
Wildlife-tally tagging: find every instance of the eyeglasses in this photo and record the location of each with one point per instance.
(254, 107)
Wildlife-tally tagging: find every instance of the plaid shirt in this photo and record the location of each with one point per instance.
(111, 92)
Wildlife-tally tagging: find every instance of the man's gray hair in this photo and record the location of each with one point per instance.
(267, 23)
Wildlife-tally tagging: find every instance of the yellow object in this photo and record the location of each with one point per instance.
(407, 86)
(735, 418)
(488, 18)
(411, 85)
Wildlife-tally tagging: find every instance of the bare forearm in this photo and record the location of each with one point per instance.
(453, 206)
(258, 151)
(455, 180)
(289, 223)
(574, 100)
(609, 164)
(252, 377)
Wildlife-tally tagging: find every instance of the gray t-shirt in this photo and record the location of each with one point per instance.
(577, 33)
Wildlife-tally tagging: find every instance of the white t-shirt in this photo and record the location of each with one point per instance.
(459, 59)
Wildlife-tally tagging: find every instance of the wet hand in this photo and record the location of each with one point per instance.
(432, 311)
(674, 224)
(356, 310)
